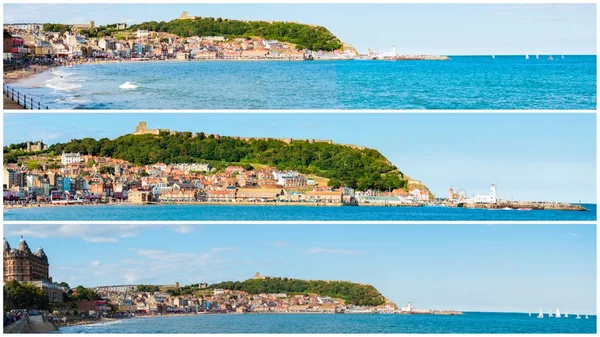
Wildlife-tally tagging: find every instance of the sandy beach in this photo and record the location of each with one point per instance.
(11, 76)
(45, 205)
(16, 75)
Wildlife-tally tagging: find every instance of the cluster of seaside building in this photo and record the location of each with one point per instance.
(460, 196)
(73, 178)
(230, 301)
(30, 39)
(23, 265)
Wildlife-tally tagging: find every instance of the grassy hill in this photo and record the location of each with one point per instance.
(333, 165)
(302, 35)
(342, 165)
(351, 293)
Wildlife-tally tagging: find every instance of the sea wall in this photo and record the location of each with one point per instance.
(40, 324)
(532, 205)
(19, 326)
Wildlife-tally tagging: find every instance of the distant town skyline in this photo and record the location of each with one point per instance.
(454, 267)
(520, 152)
(449, 29)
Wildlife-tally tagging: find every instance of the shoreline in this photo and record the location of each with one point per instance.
(26, 74)
(100, 322)
(258, 204)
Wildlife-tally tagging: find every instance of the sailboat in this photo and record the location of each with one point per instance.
(550, 58)
(529, 314)
(586, 317)
(566, 314)
(527, 56)
(557, 313)
(541, 315)
(549, 313)
(537, 56)
(578, 317)
(493, 56)
(562, 56)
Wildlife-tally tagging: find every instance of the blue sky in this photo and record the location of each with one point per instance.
(465, 267)
(545, 157)
(452, 29)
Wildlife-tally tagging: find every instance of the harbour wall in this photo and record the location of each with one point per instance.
(516, 205)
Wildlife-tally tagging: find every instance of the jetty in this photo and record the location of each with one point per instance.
(420, 58)
(409, 309)
(431, 312)
(522, 205)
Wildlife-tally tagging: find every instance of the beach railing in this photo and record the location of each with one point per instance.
(22, 99)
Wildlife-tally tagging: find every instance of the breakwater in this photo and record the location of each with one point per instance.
(537, 206)
(420, 58)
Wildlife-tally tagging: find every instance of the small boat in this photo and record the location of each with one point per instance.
(586, 317)
(529, 314)
(527, 56)
(537, 56)
(549, 313)
(541, 315)
(493, 56)
(507, 208)
(550, 58)
(524, 209)
(566, 314)
(557, 313)
(578, 317)
(562, 56)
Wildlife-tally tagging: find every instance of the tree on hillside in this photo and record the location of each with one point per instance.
(343, 165)
(107, 170)
(26, 296)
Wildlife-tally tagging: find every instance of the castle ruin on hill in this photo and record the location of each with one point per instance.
(142, 129)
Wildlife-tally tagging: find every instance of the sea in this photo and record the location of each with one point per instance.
(470, 322)
(464, 82)
(199, 212)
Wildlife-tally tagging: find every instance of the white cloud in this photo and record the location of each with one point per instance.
(333, 251)
(95, 263)
(278, 244)
(100, 239)
(222, 249)
(183, 229)
(105, 233)
(161, 255)
(573, 234)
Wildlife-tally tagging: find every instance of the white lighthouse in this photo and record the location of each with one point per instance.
(486, 198)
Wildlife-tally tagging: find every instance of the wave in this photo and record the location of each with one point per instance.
(129, 86)
(60, 83)
(61, 73)
(105, 323)
(71, 99)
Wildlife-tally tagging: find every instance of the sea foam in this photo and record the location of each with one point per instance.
(128, 85)
(61, 83)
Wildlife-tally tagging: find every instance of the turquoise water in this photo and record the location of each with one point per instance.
(310, 213)
(464, 82)
(470, 322)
